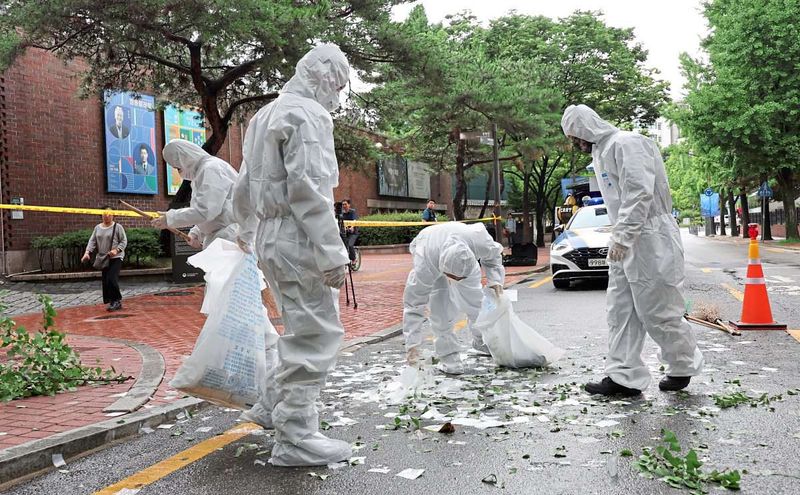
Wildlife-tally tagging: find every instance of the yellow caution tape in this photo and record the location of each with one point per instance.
(377, 223)
(129, 213)
(76, 211)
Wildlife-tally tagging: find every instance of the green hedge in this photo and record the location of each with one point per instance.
(381, 236)
(63, 252)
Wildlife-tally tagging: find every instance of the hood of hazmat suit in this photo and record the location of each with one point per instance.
(454, 248)
(284, 197)
(645, 291)
(210, 209)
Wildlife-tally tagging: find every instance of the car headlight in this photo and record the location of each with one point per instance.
(560, 247)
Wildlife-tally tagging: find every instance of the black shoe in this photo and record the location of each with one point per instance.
(110, 307)
(674, 383)
(610, 387)
(116, 306)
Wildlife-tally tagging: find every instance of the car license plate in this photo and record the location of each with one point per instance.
(598, 262)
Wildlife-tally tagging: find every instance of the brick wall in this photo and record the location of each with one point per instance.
(52, 150)
(52, 153)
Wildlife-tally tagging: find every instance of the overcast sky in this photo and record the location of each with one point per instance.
(665, 28)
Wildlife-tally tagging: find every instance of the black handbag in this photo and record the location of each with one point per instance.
(101, 261)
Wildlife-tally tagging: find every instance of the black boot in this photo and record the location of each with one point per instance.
(610, 387)
(674, 383)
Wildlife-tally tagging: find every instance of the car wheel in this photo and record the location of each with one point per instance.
(562, 283)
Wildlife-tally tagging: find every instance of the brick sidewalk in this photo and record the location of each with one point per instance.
(170, 324)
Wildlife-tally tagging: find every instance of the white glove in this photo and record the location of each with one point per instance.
(498, 290)
(334, 277)
(617, 252)
(194, 241)
(160, 222)
(244, 245)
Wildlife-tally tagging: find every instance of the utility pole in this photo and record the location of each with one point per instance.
(496, 175)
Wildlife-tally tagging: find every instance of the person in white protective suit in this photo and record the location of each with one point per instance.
(645, 255)
(209, 212)
(446, 279)
(284, 196)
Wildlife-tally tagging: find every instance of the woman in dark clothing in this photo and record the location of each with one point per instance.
(109, 240)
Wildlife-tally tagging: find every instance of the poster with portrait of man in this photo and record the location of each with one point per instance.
(130, 131)
(181, 123)
(393, 177)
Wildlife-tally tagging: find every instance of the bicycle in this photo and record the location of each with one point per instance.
(355, 264)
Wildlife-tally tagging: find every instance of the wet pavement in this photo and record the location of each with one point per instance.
(526, 431)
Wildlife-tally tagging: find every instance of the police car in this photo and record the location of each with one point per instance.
(580, 250)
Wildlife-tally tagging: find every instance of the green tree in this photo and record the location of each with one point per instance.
(746, 100)
(226, 58)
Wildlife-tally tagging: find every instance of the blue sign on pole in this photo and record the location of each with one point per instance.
(764, 191)
(709, 203)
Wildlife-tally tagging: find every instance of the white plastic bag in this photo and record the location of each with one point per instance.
(512, 342)
(228, 365)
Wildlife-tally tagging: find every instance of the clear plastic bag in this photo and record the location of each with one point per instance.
(228, 365)
(511, 341)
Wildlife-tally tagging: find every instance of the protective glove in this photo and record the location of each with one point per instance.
(160, 222)
(498, 290)
(194, 241)
(617, 252)
(244, 245)
(334, 277)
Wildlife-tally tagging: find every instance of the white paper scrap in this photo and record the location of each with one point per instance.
(606, 423)
(166, 426)
(381, 470)
(204, 429)
(410, 474)
(58, 460)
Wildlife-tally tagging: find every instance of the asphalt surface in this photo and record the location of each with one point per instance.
(555, 439)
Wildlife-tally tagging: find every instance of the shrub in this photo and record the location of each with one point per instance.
(65, 251)
(381, 236)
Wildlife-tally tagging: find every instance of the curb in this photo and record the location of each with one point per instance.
(67, 276)
(34, 456)
(146, 385)
(385, 334)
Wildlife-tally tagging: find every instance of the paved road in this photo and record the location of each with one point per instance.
(555, 439)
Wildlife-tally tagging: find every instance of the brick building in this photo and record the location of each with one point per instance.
(52, 153)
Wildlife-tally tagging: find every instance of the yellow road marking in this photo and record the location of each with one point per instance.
(180, 460)
(795, 334)
(540, 283)
(739, 295)
(778, 250)
(706, 270)
(460, 325)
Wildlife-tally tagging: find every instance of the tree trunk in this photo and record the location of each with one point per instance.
(745, 214)
(732, 213)
(461, 185)
(788, 185)
(766, 224)
(486, 194)
(526, 207)
(722, 213)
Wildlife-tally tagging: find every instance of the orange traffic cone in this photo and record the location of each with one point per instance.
(756, 312)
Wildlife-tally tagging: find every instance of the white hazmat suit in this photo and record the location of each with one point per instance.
(646, 263)
(285, 192)
(449, 248)
(210, 211)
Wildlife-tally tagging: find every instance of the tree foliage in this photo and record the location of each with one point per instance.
(519, 72)
(744, 104)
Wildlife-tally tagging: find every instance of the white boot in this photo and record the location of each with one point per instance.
(452, 364)
(480, 347)
(314, 450)
(258, 415)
